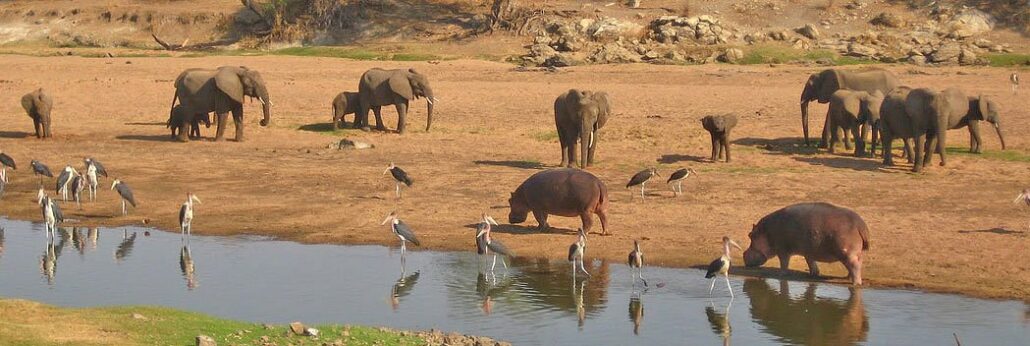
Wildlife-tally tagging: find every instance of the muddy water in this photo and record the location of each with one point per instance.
(535, 302)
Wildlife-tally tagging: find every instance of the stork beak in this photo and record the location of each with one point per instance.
(481, 232)
(735, 245)
(113, 184)
(392, 216)
(195, 198)
(490, 220)
(387, 170)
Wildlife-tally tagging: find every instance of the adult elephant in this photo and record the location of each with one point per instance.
(221, 91)
(578, 114)
(379, 87)
(933, 113)
(894, 123)
(820, 86)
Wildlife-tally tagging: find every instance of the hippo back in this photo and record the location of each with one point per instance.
(812, 228)
(562, 191)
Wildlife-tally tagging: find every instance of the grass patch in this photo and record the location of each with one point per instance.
(30, 323)
(999, 155)
(770, 54)
(354, 54)
(1008, 59)
(546, 136)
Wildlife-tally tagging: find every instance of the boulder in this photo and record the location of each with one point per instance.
(809, 31)
(969, 22)
(887, 19)
(610, 29)
(946, 53)
(860, 50)
(297, 328)
(204, 340)
(967, 57)
(352, 144)
(613, 54)
(917, 60)
(801, 44)
(731, 55)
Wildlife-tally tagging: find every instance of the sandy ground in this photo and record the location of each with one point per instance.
(950, 229)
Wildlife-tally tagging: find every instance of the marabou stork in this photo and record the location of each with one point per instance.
(399, 176)
(678, 177)
(722, 265)
(99, 167)
(576, 253)
(91, 181)
(485, 245)
(38, 168)
(52, 215)
(77, 185)
(5, 161)
(1023, 198)
(126, 192)
(641, 179)
(63, 181)
(1014, 78)
(636, 262)
(186, 214)
(401, 230)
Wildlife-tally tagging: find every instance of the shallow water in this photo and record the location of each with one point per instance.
(536, 302)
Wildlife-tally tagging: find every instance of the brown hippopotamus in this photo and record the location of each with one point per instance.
(563, 192)
(821, 232)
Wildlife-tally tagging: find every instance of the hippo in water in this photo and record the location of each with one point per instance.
(562, 192)
(821, 232)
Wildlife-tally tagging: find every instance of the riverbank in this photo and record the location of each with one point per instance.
(951, 229)
(25, 322)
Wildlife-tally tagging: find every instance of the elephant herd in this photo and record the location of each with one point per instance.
(875, 99)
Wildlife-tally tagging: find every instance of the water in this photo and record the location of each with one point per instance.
(262, 280)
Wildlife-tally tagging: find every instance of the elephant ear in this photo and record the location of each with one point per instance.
(400, 85)
(228, 81)
(828, 83)
(984, 106)
(603, 107)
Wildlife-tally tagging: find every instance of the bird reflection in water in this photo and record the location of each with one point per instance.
(720, 321)
(577, 298)
(403, 287)
(186, 264)
(487, 286)
(79, 240)
(125, 247)
(48, 263)
(1, 240)
(636, 312)
(94, 236)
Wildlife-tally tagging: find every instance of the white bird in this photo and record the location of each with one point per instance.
(1014, 78)
(576, 253)
(63, 181)
(186, 214)
(91, 181)
(126, 192)
(722, 265)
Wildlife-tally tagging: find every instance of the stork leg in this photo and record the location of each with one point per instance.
(494, 264)
(397, 191)
(642, 190)
(123, 207)
(712, 288)
(573, 272)
(727, 277)
(640, 275)
(581, 267)
(679, 186)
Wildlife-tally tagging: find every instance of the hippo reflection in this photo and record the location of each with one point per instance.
(808, 320)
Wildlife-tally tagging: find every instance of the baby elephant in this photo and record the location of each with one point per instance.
(38, 106)
(719, 127)
(821, 232)
(850, 109)
(178, 116)
(344, 103)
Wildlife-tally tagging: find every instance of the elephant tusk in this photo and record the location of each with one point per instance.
(430, 100)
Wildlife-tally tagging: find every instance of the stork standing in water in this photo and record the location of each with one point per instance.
(485, 245)
(576, 253)
(677, 177)
(91, 181)
(636, 262)
(186, 214)
(126, 192)
(401, 230)
(52, 215)
(641, 179)
(722, 265)
(63, 181)
(399, 177)
(1023, 198)
(1014, 78)
(41, 170)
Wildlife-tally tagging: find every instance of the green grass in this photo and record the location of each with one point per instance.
(1009, 59)
(772, 54)
(29, 323)
(1011, 155)
(354, 54)
(546, 136)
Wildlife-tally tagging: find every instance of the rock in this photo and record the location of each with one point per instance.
(651, 55)
(613, 53)
(352, 144)
(946, 53)
(561, 60)
(311, 332)
(860, 50)
(983, 43)
(297, 328)
(887, 19)
(137, 316)
(204, 340)
(731, 55)
(917, 60)
(856, 5)
(809, 31)
(801, 44)
(264, 338)
(779, 35)
(967, 57)
(609, 29)
(969, 22)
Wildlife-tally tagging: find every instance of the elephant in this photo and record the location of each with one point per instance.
(344, 103)
(933, 113)
(220, 90)
(850, 109)
(379, 87)
(38, 105)
(178, 117)
(719, 126)
(578, 115)
(894, 123)
(820, 86)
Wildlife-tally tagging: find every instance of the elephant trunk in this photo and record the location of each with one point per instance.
(586, 140)
(1001, 138)
(804, 119)
(266, 106)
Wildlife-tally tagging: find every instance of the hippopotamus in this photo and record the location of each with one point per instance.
(821, 232)
(562, 192)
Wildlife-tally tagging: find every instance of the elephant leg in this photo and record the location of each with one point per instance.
(46, 127)
(37, 127)
(361, 117)
(974, 137)
(859, 141)
(237, 118)
(875, 139)
(888, 146)
(220, 131)
(541, 220)
(564, 143)
(402, 113)
(917, 156)
(928, 148)
(813, 268)
(715, 147)
(907, 143)
(182, 132)
(726, 144)
(832, 144)
(603, 216)
(848, 138)
(942, 132)
(826, 132)
(378, 110)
